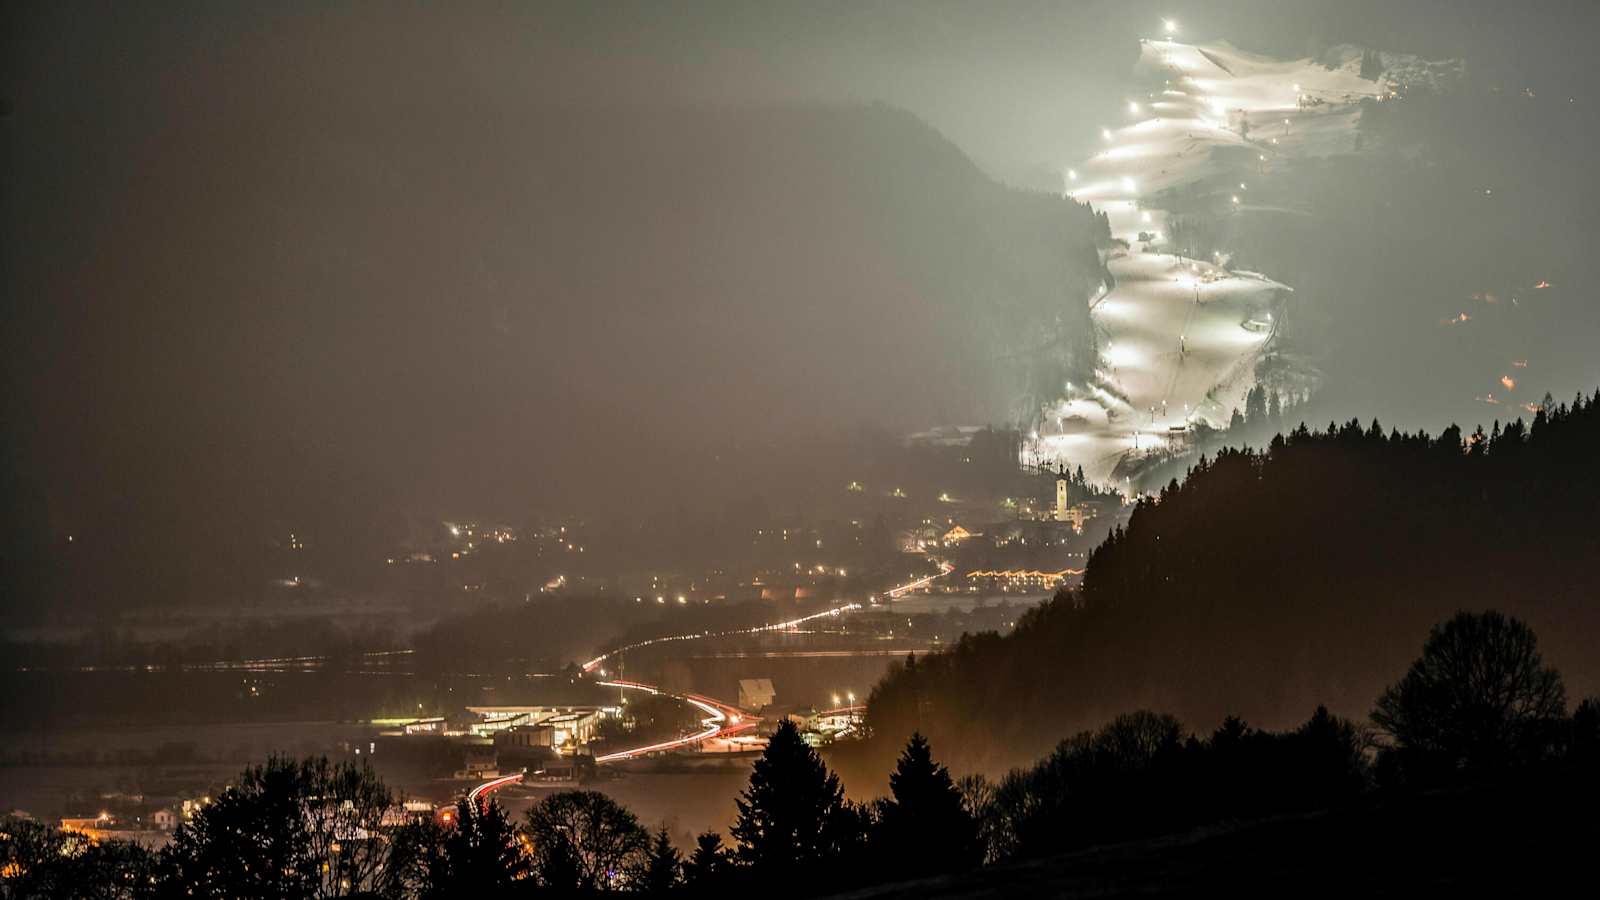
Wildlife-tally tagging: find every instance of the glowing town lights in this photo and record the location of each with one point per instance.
(1133, 107)
(1170, 26)
(1105, 133)
(1072, 174)
(1297, 87)
(1144, 216)
(1236, 199)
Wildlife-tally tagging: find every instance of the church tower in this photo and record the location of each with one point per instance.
(1061, 493)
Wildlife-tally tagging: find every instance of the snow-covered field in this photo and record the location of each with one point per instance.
(1178, 338)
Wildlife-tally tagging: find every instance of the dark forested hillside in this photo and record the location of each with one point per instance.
(1267, 583)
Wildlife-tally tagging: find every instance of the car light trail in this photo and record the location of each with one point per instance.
(476, 795)
(895, 593)
(1022, 573)
(721, 720)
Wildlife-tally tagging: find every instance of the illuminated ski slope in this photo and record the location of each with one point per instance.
(1178, 338)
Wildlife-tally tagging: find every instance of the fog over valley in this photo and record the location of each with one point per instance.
(902, 447)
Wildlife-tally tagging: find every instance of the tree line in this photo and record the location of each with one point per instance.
(313, 828)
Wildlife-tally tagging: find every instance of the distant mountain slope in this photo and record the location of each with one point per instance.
(582, 312)
(852, 249)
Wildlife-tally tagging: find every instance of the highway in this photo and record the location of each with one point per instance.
(476, 795)
(721, 720)
(892, 594)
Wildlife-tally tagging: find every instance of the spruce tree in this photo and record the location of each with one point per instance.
(789, 815)
(480, 853)
(1255, 407)
(662, 867)
(925, 829)
(708, 860)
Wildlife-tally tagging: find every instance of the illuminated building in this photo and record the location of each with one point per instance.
(1021, 580)
(956, 535)
(756, 693)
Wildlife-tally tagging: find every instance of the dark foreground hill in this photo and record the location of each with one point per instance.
(1524, 838)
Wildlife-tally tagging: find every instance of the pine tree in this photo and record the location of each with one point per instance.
(1371, 65)
(788, 816)
(1478, 442)
(925, 829)
(479, 854)
(708, 861)
(1255, 407)
(662, 867)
